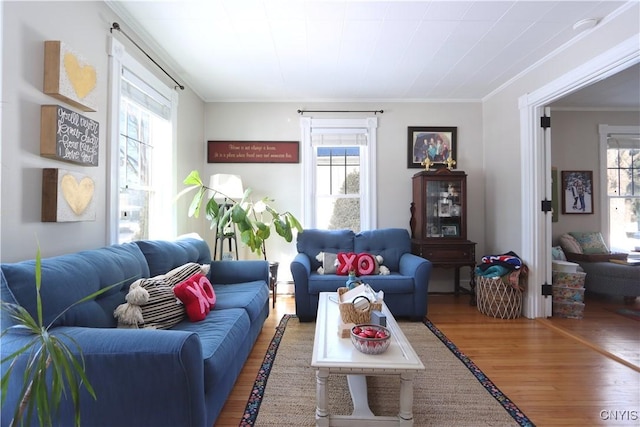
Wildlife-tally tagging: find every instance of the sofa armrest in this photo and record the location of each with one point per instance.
(420, 269)
(230, 272)
(140, 376)
(575, 257)
(300, 271)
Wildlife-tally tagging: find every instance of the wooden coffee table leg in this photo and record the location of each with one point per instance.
(406, 399)
(358, 390)
(322, 410)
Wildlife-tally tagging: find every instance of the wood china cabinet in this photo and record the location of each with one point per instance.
(439, 221)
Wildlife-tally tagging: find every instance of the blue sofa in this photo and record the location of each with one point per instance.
(405, 288)
(142, 377)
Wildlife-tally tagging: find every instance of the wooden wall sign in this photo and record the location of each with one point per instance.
(68, 136)
(253, 152)
(68, 77)
(67, 196)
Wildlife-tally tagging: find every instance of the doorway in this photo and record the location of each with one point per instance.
(538, 177)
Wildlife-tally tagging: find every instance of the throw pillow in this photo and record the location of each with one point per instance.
(558, 254)
(328, 261)
(570, 244)
(347, 261)
(153, 300)
(363, 264)
(162, 310)
(182, 273)
(367, 264)
(591, 242)
(197, 295)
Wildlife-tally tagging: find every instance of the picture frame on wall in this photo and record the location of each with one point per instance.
(434, 143)
(577, 192)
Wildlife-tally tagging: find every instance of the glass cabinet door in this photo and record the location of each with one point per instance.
(443, 209)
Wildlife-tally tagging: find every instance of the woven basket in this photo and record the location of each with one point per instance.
(498, 299)
(350, 314)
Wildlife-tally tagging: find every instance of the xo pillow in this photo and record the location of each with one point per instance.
(197, 295)
(363, 264)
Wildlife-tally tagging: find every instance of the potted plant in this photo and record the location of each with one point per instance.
(52, 368)
(253, 219)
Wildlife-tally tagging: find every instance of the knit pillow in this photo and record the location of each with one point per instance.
(197, 295)
(347, 261)
(160, 309)
(363, 264)
(591, 242)
(329, 263)
(367, 264)
(570, 244)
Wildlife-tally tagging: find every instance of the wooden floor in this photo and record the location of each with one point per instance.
(559, 372)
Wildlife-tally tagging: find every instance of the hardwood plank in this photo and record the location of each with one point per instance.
(551, 368)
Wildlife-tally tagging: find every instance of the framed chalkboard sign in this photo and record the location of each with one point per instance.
(68, 136)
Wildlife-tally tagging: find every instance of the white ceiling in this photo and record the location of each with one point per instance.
(316, 50)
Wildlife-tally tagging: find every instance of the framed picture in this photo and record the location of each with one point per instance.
(449, 230)
(434, 143)
(444, 208)
(577, 192)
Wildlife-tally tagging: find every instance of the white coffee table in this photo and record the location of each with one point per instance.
(335, 355)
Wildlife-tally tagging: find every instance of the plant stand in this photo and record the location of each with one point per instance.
(273, 280)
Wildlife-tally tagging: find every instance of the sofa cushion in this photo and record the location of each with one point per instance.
(250, 296)
(591, 242)
(163, 255)
(570, 244)
(393, 283)
(313, 241)
(68, 278)
(325, 283)
(391, 243)
(220, 333)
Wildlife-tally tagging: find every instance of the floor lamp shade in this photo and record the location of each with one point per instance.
(227, 186)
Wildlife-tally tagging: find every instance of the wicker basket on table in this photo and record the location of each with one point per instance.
(350, 314)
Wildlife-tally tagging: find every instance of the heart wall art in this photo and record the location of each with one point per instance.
(69, 77)
(67, 196)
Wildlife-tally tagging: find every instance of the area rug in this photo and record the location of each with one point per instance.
(452, 391)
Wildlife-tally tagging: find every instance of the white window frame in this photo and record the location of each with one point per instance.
(368, 170)
(119, 58)
(605, 132)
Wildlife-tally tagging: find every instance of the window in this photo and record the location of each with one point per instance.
(623, 192)
(339, 173)
(142, 185)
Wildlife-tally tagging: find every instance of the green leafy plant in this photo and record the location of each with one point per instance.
(253, 219)
(48, 356)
